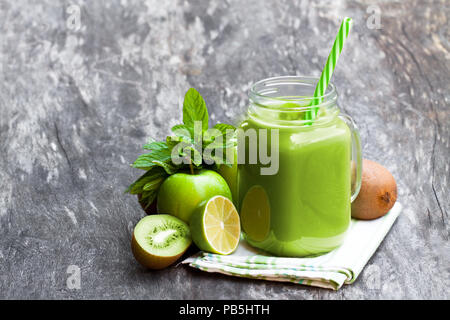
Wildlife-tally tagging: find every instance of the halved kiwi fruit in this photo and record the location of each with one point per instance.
(159, 240)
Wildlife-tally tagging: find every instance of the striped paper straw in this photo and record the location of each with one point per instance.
(327, 72)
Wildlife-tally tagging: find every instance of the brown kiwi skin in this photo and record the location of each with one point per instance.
(151, 261)
(151, 209)
(378, 192)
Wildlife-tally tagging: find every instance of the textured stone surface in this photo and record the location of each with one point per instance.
(76, 106)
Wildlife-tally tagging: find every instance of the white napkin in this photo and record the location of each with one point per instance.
(331, 270)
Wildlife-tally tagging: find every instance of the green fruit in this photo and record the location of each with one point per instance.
(159, 240)
(230, 176)
(215, 226)
(255, 214)
(181, 193)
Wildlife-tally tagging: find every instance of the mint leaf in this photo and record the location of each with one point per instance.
(168, 167)
(147, 197)
(210, 135)
(183, 131)
(194, 109)
(153, 184)
(151, 175)
(146, 161)
(155, 145)
(173, 141)
(222, 127)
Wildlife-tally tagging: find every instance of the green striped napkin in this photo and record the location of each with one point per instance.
(331, 270)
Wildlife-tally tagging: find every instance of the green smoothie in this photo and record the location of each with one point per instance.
(304, 209)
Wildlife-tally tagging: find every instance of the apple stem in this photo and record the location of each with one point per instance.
(191, 167)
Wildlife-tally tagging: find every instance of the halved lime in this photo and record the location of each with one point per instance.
(215, 226)
(255, 214)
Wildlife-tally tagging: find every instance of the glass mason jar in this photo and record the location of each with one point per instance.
(303, 208)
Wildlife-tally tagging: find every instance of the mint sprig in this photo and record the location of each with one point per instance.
(194, 142)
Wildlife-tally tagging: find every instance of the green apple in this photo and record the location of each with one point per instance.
(230, 176)
(181, 193)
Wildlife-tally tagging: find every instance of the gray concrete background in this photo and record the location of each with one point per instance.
(76, 105)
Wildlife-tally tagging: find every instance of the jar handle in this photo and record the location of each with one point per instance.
(356, 160)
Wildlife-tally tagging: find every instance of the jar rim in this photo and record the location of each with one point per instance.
(272, 103)
(255, 89)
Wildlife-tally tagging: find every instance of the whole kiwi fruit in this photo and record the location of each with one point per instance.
(378, 192)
